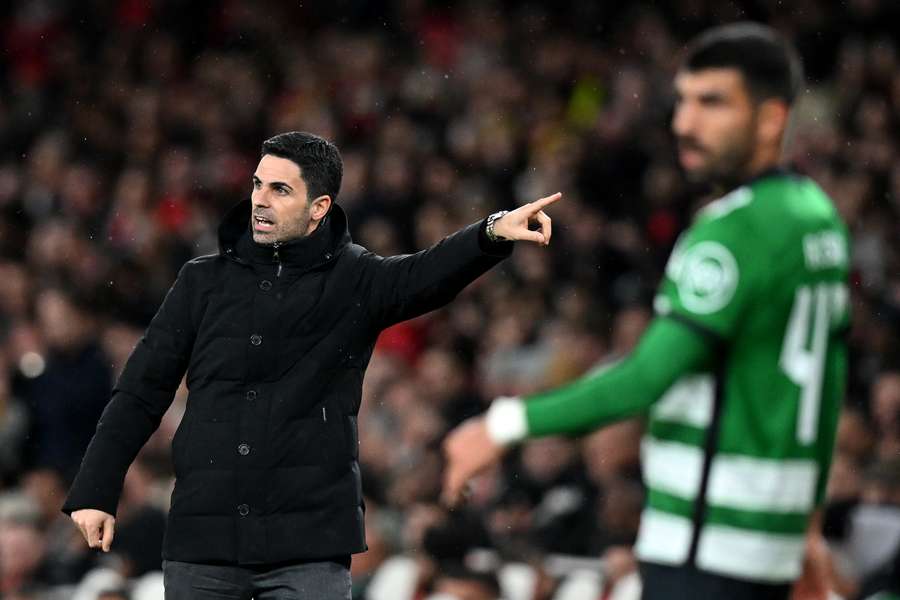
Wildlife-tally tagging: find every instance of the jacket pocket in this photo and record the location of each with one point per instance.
(311, 440)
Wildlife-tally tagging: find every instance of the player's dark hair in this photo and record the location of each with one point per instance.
(321, 167)
(769, 64)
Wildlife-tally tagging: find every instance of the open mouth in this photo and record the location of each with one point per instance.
(262, 224)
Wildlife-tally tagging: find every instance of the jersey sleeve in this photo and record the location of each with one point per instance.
(712, 277)
(666, 352)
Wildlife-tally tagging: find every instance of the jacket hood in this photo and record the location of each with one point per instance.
(236, 240)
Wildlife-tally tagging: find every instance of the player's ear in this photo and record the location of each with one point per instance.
(772, 120)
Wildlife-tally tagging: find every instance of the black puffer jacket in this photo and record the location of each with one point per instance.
(275, 344)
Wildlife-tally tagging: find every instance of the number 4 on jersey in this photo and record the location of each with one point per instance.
(803, 352)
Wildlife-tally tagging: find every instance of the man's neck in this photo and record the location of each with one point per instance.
(754, 169)
(764, 159)
(313, 225)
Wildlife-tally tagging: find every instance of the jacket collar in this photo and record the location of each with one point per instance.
(236, 241)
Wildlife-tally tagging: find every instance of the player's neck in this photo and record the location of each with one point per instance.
(762, 162)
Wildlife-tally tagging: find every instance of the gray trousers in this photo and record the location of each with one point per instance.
(305, 581)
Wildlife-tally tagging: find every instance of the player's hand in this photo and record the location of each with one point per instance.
(813, 583)
(468, 450)
(514, 224)
(96, 526)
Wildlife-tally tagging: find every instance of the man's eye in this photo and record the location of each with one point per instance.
(256, 184)
(281, 191)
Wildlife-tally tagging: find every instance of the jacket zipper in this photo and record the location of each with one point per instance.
(275, 246)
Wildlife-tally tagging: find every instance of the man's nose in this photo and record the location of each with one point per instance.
(683, 121)
(260, 198)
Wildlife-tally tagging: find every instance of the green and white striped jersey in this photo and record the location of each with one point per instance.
(736, 457)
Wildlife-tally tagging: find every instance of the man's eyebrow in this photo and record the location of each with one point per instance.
(255, 179)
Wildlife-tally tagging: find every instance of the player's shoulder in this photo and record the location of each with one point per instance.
(789, 199)
(769, 209)
(729, 219)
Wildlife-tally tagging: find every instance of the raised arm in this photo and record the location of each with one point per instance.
(413, 284)
(141, 397)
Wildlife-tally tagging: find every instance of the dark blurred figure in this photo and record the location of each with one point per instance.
(886, 412)
(461, 583)
(445, 381)
(23, 546)
(67, 560)
(13, 425)
(66, 400)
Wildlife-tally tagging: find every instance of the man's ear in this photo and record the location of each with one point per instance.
(320, 207)
(773, 120)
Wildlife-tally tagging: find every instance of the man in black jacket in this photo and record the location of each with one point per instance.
(275, 333)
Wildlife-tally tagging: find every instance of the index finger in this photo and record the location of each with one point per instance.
(547, 201)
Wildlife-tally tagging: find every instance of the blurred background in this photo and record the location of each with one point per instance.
(128, 127)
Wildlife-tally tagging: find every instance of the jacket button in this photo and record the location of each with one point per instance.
(265, 285)
(243, 510)
(328, 256)
(256, 339)
(243, 449)
(251, 395)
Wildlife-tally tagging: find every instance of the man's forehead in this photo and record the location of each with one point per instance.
(276, 168)
(723, 80)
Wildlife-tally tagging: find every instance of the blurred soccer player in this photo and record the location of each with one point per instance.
(741, 373)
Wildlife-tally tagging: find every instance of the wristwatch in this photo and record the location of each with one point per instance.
(489, 227)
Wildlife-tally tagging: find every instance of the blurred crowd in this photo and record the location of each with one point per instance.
(128, 127)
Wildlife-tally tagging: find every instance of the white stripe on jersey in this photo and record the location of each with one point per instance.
(689, 401)
(739, 482)
(739, 553)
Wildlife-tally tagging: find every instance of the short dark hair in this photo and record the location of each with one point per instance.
(319, 160)
(769, 64)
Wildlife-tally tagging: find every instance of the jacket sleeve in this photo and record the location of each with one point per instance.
(141, 396)
(410, 285)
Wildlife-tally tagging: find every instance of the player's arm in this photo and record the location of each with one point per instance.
(668, 350)
(142, 395)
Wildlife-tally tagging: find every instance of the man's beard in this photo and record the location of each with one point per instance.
(283, 232)
(724, 170)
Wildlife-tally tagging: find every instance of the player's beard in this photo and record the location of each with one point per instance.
(727, 167)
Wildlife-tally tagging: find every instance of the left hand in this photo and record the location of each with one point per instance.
(469, 450)
(514, 224)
